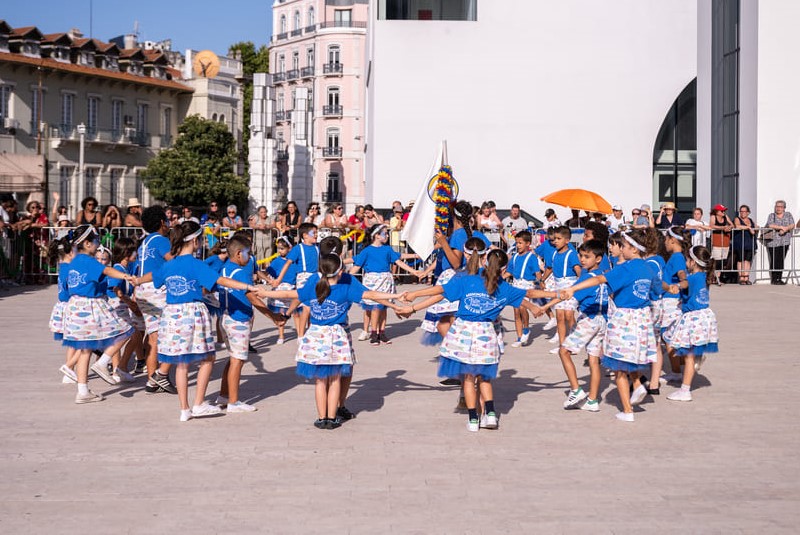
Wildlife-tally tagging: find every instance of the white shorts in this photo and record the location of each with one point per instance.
(588, 333)
(561, 283)
(237, 336)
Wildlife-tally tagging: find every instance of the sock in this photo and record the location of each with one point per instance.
(577, 390)
(83, 388)
(159, 374)
(489, 406)
(591, 401)
(686, 388)
(104, 360)
(473, 414)
(526, 332)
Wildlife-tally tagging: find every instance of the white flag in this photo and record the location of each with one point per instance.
(418, 231)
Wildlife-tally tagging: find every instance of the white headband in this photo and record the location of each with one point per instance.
(633, 242)
(193, 235)
(674, 235)
(455, 211)
(338, 270)
(377, 230)
(85, 234)
(473, 251)
(285, 240)
(105, 249)
(696, 260)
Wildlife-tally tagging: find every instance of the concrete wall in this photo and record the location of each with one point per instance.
(535, 96)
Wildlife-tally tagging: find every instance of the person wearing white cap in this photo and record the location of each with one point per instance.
(134, 216)
(616, 218)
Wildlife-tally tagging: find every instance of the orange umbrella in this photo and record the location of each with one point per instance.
(579, 199)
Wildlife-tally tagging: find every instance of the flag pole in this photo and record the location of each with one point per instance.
(444, 152)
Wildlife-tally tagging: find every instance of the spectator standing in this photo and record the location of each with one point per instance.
(513, 223)
(262, 233)
(313, 214)
(781, 222)
(213, 208)
(644, 219)
(409, 207)
(371, 217)
(576, 221)
(616, 218)
(291, 220)
(699, 226)
(335, 218)
(232, 220)
(744, 243)
(668, 216)
(721, 226)
(134, 216)
(58, 211)
(551, 219)
(188, 216)
(356, 221)
(88, 214)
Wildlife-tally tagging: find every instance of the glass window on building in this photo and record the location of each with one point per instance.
(90, 181)
(67, 104)
(333, 96)
(283, 24)
(311, 20)
(138, 186)
(296, 60)
(334, 54)
(166, 126)
(141, 119)
(116, 117)
(37, 104)
(64, 183)
(113, 185)
(310, 57)
(92, 110)
(296, 24)
(466, 10)
(333, 138)
(5, 98)
(343, 18)
(332, 188)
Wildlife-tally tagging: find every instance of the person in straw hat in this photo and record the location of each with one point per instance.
(134, 216)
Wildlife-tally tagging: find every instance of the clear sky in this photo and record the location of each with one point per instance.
(196, 24)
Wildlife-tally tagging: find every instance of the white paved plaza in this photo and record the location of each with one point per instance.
(726, 462)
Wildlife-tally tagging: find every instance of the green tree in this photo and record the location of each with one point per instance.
(253, 61)
(198, 168)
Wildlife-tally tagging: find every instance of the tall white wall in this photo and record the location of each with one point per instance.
(535, 96)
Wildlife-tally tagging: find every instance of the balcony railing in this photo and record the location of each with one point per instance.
(332, 152)
(342, 24)
(332, 68)
(282, 116)
(332, 111)
(296, 32)
(278, 77)
(307, 72)
(283, 155)
(126, 136)
(331, 196)
(311, 29)
(293, 74)
(281, 36)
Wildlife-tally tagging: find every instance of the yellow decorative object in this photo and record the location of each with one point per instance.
(265, 261)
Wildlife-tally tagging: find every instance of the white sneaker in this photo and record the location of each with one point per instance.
(699, 361)
(489, 421)
(555, 350)
(205, 410)
(186, 415)
(89, 397)
(69, 372)
(518, 343)
(473, 425)
(672, 377)
(591, 407)
(554, 339)
(117, 379)
(525, 337)
(575, 398)
(625, 416)
(241, 406)
(68, 380)
(102, 371)
(280, 341)
(221, 401)
(638, 395)
(680, 395)
(550, 324)
(124, 376)
(363, 336)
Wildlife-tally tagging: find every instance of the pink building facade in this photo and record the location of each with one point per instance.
(317, 64)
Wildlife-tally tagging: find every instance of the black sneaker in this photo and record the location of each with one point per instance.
(344, 413)
(450, 382)
(384, 339)
(140, 366)
(374, 339)
(163, 383)
(151, 387)
(251, 349)
(321, 423)
(333, 423)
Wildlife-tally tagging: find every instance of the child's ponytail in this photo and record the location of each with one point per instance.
(462, 210)
(180, 234)
(330, 265)
(702, 257)
(57, 250)
(475, 248)
(496, 260)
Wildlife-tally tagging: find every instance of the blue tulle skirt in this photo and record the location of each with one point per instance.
(622, 366)
(58, 337)
(698, 351)
(453, 369)
(183, 359)
(323, 371)
(376, 306)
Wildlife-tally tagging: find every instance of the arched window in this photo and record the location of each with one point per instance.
(296, 60)
(310, 57)
(334, 54)
(333, 96)
(281, 63)
(283, 24)
(222, 118)
(296, 25)
(214, 117)
(311, 20)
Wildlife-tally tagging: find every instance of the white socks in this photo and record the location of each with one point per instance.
(104, 360)
(83, 388)
(686, 388)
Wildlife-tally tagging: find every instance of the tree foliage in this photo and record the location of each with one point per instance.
(198, 168)
(253, 61)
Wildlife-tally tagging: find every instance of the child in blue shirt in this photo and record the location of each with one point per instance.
(59, 251)
(184, 332)
(677, 242)
(274, 270)
(376, 261)
(120, 296)
(545, 252)
(305, 256)
(523, 270)
(470, 350)
(325, 352)
(565, 269)
(629, 345)
(696, 334)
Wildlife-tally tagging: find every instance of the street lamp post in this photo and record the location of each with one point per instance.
(81, 170)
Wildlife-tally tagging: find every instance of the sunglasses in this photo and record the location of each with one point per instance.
(636, 213)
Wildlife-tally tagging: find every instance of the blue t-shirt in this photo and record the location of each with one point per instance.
(123, 285)
(592, 301)
(63, 289)
(695, 297)
(214, 262)
(151, 253)
(85, 277)
(474, 304)
(276, 266)
(305, 257)
(235, 302)
(333, 310)
(630, 284)
(545, 251)
(376, 259)
(605, 265)
(524, 266)
(564, 263)
(457, 241)
(185, 277)
(656, 263)
(675, 264)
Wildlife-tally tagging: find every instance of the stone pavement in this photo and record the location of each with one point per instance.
(727, 462)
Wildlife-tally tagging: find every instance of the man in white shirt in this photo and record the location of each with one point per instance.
(513, 224)
(699, 227)
(187, 216)
(616, 218)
